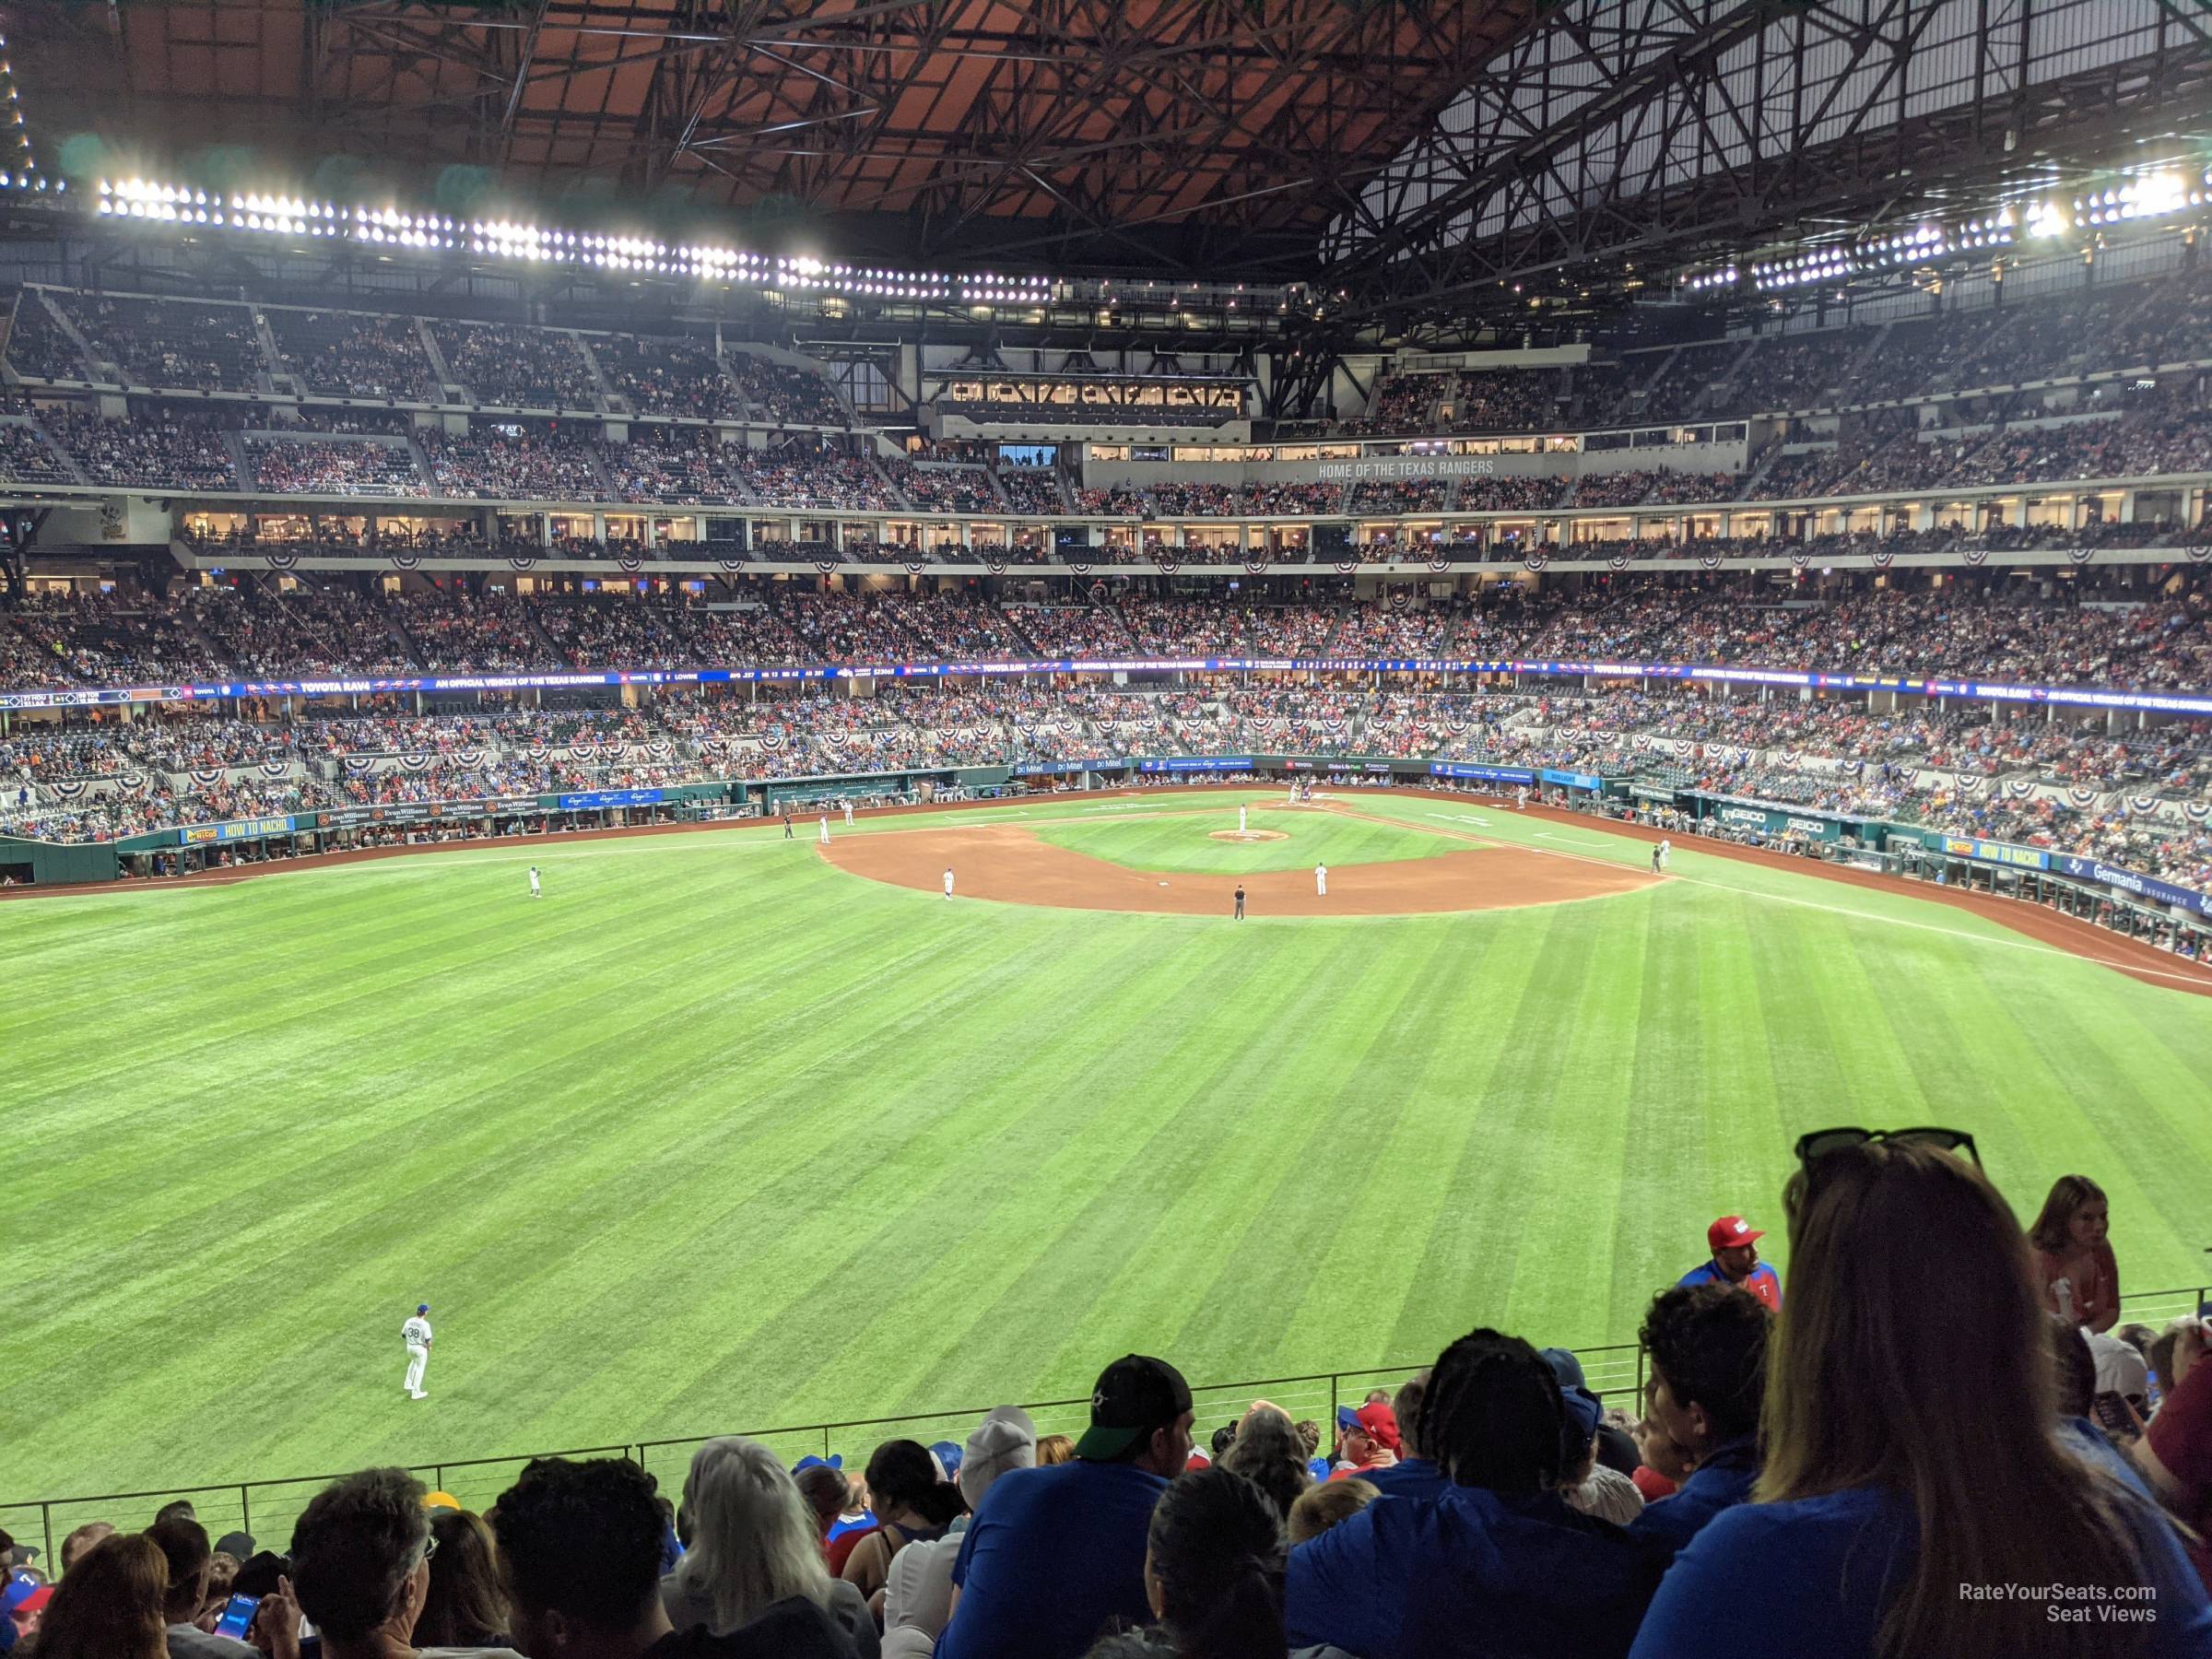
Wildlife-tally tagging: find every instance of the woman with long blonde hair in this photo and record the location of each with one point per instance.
(750, 1542)
(1916, 1501)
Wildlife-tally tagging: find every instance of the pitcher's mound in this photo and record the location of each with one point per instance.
(1246, 835)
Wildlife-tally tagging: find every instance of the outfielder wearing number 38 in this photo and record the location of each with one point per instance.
(415, 1334)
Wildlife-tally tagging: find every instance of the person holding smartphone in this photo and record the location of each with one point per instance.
(2075, 1273)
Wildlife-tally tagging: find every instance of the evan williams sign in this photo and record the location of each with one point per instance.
(1417, 467)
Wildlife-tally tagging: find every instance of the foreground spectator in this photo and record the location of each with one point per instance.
(917, 1598)
(1707, 1349)
(750, 1543)
(184, 1544)
(1056, 1554)
(75, 1545)
(1268, 1452)
(465, 1609)
(911, 1505)
(2175, 1452)
(1329, 1504)
(1415, 1474)
(579, 1549)
(361, 1560)
(2075, 1273)
(1885, 1503)
(1213, 1574)
(111, 1606)
(1734, 1242)
(1499, 1564)
(1367, 1439)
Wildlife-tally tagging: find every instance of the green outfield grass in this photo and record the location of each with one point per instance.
(715, 1137)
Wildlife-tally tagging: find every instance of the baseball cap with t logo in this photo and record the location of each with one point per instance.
(1135, 1395)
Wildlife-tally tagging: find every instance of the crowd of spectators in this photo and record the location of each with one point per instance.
(813, 481)
(28, 457)
(37, 345)
(193, 344)
(935, 487)
(517, 366)
(154, 447)
(337, 466)
(510, 461)
(1032, 489)
(785, 392)
(667, 375)
(355, 354)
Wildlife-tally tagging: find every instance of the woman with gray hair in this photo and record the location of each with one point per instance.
(362, 1568)
(751, 1541)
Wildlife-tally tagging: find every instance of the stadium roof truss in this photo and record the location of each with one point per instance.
(1157, 135)
(1616, 140)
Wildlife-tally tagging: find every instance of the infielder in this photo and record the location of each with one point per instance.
(415, 1334)
(533, 881)
(947, 881)
(824, 838)
(848, 815)
(1321, 880)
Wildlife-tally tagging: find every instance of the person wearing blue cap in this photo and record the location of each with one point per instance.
(415, 1334)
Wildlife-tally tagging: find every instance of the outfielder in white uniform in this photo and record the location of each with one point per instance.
(947, 881)
(415, 1334)
(824, 837)
(1667, 849)
(1321, 879)
(533, 881)
(848, 815)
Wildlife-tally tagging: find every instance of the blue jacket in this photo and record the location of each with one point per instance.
(1471, 1575)
(1811, 1579)
(1711, 1273)
(1723, 1480)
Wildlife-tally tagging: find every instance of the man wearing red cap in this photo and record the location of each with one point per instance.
(1734, 1245)
(1366, 1439)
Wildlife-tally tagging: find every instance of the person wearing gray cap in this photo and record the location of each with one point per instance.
(917, 1600)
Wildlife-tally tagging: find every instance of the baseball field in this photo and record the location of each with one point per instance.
(726, 1133)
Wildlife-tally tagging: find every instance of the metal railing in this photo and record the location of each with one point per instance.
(1613, 1369)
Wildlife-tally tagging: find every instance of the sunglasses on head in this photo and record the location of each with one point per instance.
(1812, 1147)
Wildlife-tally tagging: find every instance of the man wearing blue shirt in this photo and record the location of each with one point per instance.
(1734, 1242)
(1498, 1564)
(1056, 1554)
(1707, 1346)
(1415, 1474)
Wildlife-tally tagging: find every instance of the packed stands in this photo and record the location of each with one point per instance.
(516, 461)
(517, 367)
(667, 375)
(354, 354)
(333, 466)
(197, 346)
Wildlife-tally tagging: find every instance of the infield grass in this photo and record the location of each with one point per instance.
(713, 1136)
(1183, 844)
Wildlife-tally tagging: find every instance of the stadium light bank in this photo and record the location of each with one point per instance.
(395, 230)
